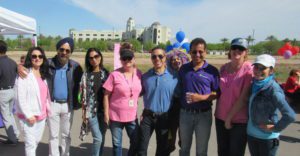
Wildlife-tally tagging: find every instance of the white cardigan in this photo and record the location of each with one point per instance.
(28, 98)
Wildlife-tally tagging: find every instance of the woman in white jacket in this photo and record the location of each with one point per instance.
(33, 99)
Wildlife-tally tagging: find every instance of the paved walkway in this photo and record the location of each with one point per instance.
(289, 145)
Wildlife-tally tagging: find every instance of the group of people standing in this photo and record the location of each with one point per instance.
(177, 94)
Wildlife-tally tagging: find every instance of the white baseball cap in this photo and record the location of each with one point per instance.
(265, 60)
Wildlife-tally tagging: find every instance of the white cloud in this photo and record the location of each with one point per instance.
(210, 19)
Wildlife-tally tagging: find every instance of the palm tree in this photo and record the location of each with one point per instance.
(271, 38)
(224, 40)
(250, 40)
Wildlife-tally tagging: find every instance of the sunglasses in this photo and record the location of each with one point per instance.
(37, 56)
(239, 48)
(194, 52)
(94, 57)
(126, 58)
(259, 67)
(68, 51)
(153, 57)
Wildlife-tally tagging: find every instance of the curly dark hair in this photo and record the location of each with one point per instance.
(88, 66)
(44, 69)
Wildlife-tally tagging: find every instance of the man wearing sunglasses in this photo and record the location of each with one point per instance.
(65, 76)
(158, 89)
(199, 82)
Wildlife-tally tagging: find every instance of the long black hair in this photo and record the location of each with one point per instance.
(44, 69)
(88, 66)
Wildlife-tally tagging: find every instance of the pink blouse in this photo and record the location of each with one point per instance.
(124, 95)
(232, 85)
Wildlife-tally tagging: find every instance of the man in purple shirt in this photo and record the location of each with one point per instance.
(199, 82)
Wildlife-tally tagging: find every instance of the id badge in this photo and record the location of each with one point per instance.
(131, 103)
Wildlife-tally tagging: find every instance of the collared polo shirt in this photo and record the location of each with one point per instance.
(8, 72)
(61, 83)
(203, 81)
(158, 90)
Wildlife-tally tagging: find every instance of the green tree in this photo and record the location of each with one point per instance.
(224, 41)
(137, 46)
(1, 37)
(286, 40)
(148, 45)
(271, 38)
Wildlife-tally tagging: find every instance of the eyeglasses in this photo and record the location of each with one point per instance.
(68, 51)
(194, 52)
(37, 56)
(260, 67)
(126, 58)
(153, 57)
(239, 48)
(94, 57)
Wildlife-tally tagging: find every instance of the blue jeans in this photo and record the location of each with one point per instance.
(98, 129)
(231, 142)
(198, 122)
(159, 123)
(262, 147)
(116, 129)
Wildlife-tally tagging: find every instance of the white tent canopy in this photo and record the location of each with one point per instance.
(12, 23)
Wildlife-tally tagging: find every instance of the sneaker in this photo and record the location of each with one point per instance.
(9, 142)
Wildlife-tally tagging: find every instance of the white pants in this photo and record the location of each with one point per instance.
(32, 135)
(60, 119)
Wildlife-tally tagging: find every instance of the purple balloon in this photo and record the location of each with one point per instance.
(287, 54)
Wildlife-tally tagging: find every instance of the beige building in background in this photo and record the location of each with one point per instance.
(89, 35)
(156, 33)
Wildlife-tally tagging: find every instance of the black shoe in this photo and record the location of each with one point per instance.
(9, 142)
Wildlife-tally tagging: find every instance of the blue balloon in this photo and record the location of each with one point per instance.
(180, 36)
(186, 46)
(169, 48)
(176, 45)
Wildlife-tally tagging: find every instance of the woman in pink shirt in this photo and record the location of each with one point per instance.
(231, 110)
(33, 99)
(123, 88)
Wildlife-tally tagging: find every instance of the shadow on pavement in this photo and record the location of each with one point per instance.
(42, 150)
(289, 139)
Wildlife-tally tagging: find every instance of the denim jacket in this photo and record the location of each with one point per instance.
(264, 106)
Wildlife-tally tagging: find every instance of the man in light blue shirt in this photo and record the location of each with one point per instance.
(158, 89)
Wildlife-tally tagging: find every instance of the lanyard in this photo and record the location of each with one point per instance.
(130, 86)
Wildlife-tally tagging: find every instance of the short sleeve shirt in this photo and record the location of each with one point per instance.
(203, 81)
(231, 86)
(121, 89)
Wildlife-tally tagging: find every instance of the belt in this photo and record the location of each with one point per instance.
(5, 88)
(195, 110)
(148, 112)
(60, 101)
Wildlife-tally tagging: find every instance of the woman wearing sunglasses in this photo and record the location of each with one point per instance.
(33, 99)
(92, 93)
(123, 88)
(231, 109)
(266, 100)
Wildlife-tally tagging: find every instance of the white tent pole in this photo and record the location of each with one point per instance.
(35, 40)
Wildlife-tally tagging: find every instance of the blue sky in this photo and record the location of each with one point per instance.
(210, 19)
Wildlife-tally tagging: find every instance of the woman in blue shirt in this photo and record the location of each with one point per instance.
(267, 98)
